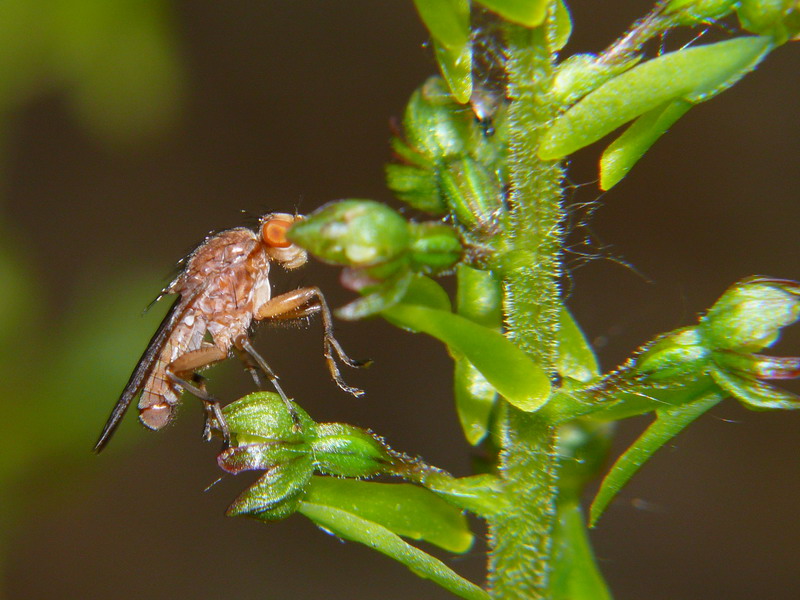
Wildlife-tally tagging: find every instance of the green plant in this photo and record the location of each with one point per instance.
(526, 382)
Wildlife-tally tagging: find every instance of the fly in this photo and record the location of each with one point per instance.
(223, 289)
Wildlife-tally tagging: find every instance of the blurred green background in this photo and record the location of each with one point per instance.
(128, 129)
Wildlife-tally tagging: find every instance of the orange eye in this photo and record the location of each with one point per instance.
(274, 233)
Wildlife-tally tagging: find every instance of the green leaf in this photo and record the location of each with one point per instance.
(404, 509)
(669, 423)
(575, 574)
(576, 359)
(447, 20)
(512, 373)
(530, 13)
(627, 149)
(481, 494)
(456, 67)
(349, 526)
(475, 399)
(424, 291)
(693, 74)
(562, 26)
(479, 299)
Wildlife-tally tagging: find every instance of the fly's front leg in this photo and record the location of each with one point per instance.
(187, 365)
(256, 364)
(305, 302)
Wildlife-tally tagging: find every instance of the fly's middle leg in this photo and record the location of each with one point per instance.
(305, 302)
(257, 366)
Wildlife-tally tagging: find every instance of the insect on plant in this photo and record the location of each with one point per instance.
(223, 288)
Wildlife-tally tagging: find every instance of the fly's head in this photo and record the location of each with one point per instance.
(273, 230)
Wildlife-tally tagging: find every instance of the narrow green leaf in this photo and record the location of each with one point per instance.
(447, 20)
(575, 574)
(562, 26)
(480, 494)
(512, 373)
(351, 527)
(693, 74)
(404, 509)
(475, 399)
(669, 423)
(478, 298)
(627, 149)
(530, 13)
(456, 67)
(424, 291)
(576, 359)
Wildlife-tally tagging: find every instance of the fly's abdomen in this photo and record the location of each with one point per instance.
(161, 394)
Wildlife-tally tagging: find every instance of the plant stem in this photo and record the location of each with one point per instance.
(520, 539)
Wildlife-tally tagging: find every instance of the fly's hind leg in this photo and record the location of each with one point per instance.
(305, 302)
(187, 365)
(257, 366)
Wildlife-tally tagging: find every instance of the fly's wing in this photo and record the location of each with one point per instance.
(143, 368)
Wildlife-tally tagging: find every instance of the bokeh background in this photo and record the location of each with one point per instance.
(131, 128)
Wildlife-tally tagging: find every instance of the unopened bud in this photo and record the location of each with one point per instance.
(417, 187)
(434, 247)
(434, 123)
(672, 355)
(764, 17)
(264, 417)
(473, 194)
(354, 233)
(348, 451)
(691, 12)
(750, 314)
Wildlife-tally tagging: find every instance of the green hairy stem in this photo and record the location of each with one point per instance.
(521, 537)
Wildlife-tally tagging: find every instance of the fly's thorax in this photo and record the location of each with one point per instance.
(216, 258)
(273, 230)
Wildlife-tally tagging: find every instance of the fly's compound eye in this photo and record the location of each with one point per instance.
(273, 231)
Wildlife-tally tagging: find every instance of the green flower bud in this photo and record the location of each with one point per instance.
(263, 417)
(691, 12)
(434, 123)
(416, 187)
(473, 194)
(672, 355)
(347, 451)
(764, 17)
(356, 233)
(434, 247)
(750, 314)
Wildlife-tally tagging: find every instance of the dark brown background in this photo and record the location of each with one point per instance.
(287, 107)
